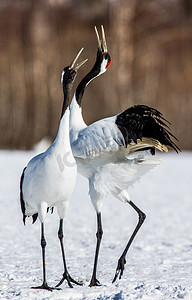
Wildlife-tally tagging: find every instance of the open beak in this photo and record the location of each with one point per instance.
(72, 65)
(101, 42)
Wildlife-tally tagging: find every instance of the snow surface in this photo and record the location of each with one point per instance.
(159, 263)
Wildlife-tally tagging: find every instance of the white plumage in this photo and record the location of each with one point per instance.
(45, 184)
(101, 157)
(98, 138)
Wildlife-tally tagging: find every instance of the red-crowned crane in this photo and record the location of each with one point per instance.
(112, 153)
(49, 178)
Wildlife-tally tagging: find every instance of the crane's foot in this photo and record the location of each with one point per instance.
(94, 282)
(120, 268)
(45, 286)
(69, 279)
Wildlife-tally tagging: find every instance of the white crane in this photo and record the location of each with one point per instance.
(49, 178)
(108, 152)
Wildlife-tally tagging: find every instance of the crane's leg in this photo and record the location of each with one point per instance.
(94, 281)
(43, 245)
(122, 260)
(66, 275)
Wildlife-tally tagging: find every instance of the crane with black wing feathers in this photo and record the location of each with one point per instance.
(114, 152)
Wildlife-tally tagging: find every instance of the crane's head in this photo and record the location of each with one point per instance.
(69, 73)
(103, 59)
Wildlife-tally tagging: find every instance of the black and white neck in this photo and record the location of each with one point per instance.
(67, 80)
(103, 61)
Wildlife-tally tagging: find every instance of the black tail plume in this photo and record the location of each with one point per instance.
(22, 200)
(21, 196)
(143, 121)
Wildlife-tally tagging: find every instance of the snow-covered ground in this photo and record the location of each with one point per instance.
(159, 263)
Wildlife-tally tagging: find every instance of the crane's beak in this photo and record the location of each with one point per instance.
(80, 64)
(101, 43)
(72, 65)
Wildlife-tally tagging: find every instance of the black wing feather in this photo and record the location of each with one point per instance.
(21, 197)
(143, 121)
(22, 200)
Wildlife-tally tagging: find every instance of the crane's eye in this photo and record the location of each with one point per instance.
(106, 56)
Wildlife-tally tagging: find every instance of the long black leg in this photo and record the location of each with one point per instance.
(94, 281)
(43, 245)
(66, 275)
(122, 260)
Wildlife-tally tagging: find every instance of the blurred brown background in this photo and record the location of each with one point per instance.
(150, 43)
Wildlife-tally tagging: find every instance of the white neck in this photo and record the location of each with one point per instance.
(76, 119)
(62, 138)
